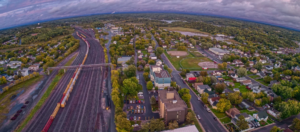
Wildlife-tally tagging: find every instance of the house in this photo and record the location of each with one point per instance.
(115, 42)
(140, 56)
(14, 64)
(274, 113)
(160, 77)
(158, 62)
(256, 54)
(253, 70)
(171, 106)
(231, 73)
(241, 79)
(297, 68)
(262, 61)
(24, 72)
(247, 82)
(150, 50)
(214, 101)
(201, 88)
(123, 60)
(139, 51)
(2, 62)
(234, 76)
(251, 63)
(247, 117)
(196, 84)
(269, 68)
(277, 65)
(236, 62)
(233, 112)
(217, 73)
(229, 83)
(190, 77)
(261, 74)
(236, 90)
(152, 56)
(34, 67)
(164, 46)
(261, 115)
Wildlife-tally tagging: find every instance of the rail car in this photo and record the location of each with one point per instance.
(68, 90)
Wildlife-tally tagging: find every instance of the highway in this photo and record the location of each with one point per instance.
(39, 120)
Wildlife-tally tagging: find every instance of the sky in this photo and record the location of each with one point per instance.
(279, 12)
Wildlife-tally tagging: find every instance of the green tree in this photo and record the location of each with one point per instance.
(130, 71)
(258, 102)
(146, 76)
(242, 72)
(219, 88)
(152, 100)
(131, 86)
(173, 125)
(204, 97)
(275, 129)
(235, 98)
(267, 79)
(149, 85)
(159, 51)
(223, 105)
(153, 125)
(189, 117)
(242, 123)
(296, 124)
(122, 124)
(258, 66)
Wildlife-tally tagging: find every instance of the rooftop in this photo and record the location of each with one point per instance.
(219, 50)
(191, 128)
(204, 87)
(171, 100)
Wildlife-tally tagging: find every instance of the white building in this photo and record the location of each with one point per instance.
(34, 67)
(14, 64)
(218, 51)
(24, 72)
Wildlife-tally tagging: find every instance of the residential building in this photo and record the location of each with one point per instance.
(158, 62)
(251, 63)
(202, 88)
(190, 77)
(241, 79)
(189, 128)
(253, 70)
(231, 73)
(217, 73)
(196, 84)
(236, 90)
(214, 101)
(34, 67)
(2, 62)
(152, 56)
(24, 72)
(261, 115)
(233, 112)
(246, 82)
(171, 106)
(262, 61)
(247, 117)
(274, 113)
(160, 77)
(269, 68)
(14, 64)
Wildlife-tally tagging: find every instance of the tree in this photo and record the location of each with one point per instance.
(153, 43)
(152, 100)
(244, 59)
(189, 117)
(242, 72)
(213, 79)
(265, 100)
(185, 95)
(296, 124)
(154, 125)
(223, 105)
(235, 98)
(122, 124)
(220, 87)
(258, 66)
(159, 51)
(173, 125)
(275, 129)
(173, 84)
(146, 76)
(130, 71)
(258, 102)
(204, 97)
(277, 100)
(267, 79)
(149, 85)
(130, 86)
(203, 73)
(242, 123)
(207, 80)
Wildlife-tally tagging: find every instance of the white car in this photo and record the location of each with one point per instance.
(208, 110)
(198, 117)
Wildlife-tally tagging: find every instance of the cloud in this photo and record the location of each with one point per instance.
(281, 12)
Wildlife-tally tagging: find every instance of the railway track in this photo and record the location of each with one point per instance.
(42, 116)
(83, 111)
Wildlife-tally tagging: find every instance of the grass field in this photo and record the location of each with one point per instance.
(225, 120)
(184, 30)
(241, 87)
(262, 82)
(5, 100)
(71, 60)
(248, 112)
(196, 53)
(188, 62)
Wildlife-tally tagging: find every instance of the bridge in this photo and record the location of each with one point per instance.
(82, 66)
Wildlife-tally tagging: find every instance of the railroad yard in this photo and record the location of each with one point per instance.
(82, 110)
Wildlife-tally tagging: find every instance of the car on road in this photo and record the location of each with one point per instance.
(198, 117)
(208, 110)
(215, 118)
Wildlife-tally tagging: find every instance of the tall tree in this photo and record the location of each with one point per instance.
(242, 123)
(242, 72)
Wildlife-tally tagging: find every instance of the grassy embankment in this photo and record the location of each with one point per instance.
(5, 98)
(44, 97)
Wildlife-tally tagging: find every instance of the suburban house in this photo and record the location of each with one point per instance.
(158, 62)
(150, 50)
(196, 84)
(251, 63)
(171, 106)
(236, 62)
(2, 62)
(229, 83)
(274, 113)
(14, 64)
(190, 77)
(247, 117)
(140, 56)
(253, 70)
(241, 79)
(24, 72)
(246, 82)
(217, 73)
(34, 67)
(160, 77)
(123, 59)
(201, 88)
(236, 90)
(152, 56)
(139, 51)
(262, 61)
(164, 46)
(214, 101)
(269, 68)
(233, 112)
(231, 73)
(235, 76)
(262, 115)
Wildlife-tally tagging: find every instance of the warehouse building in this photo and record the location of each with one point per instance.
(218, 51)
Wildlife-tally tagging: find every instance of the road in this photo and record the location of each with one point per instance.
(39, 120)
(207, 119)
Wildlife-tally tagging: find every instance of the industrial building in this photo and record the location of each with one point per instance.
(218, 51)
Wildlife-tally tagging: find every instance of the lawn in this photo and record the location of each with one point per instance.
(262, 82)
(196, 53)
(5, 100)
(217, 113)
(192, 63)
(248, 112)
(144, 52)
(241, 87)
(184, 30)
(269, 121)
(226, 78)
(225, 120)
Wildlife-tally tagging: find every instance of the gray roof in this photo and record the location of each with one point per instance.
(204, 87)
(169, 105)
(262, 114)
(219, 50)
(243, 114)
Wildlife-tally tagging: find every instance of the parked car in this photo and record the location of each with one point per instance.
(198, 117)
(208, 110)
